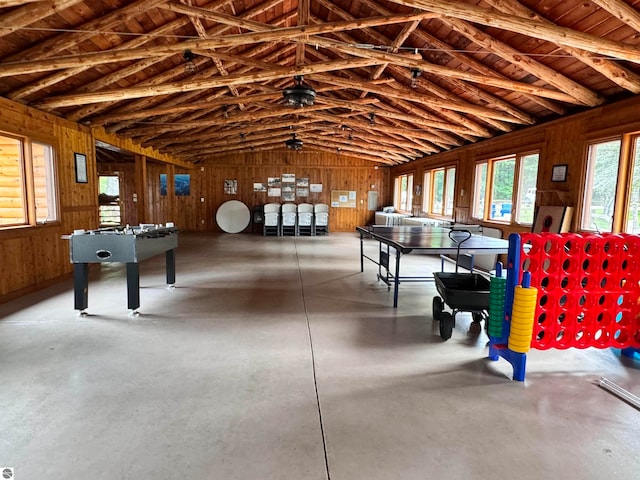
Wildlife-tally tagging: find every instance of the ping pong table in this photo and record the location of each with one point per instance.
(428, 239)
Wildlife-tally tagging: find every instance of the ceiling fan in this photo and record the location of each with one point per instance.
(300, 95)
(294, 143)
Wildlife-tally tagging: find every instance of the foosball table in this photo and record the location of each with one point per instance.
(129, 245)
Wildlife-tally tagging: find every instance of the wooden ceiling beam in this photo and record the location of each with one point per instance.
(372, 151)
(612, 70)
(306, 135)
(29, 14)
(143, 104)
(417, 108)
(622, 11)
(440, 94)
(271, 35)
(105, 80)
(408, 62)
(449, 72)
(580, 93)
(471, 63)
(92, 28)
(550, 33)
(431, 102)
(284, 124)
(366, 126)
(318, 148)
(127, 114)
(199, 84)
(15, 3)
(294, 33)
(304, 7)
(395, 44)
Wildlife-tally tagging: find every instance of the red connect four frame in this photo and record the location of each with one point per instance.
(588, 289)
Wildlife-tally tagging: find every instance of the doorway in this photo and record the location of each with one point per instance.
(109, 209)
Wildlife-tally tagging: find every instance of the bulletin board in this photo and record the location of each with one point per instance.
(343, 198)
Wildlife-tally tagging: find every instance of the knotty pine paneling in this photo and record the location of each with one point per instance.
(334, 172)
(197, 210)
(562, 141)
(36, 255)
(32, 257)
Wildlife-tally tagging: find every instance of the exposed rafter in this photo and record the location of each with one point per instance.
(394, 80)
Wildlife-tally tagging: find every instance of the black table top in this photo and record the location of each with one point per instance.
(434, 239)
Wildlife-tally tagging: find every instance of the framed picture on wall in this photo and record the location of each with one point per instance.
(81, 167)
(559, 173)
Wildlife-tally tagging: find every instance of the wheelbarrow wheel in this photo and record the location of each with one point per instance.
(438, 307)
(476, 326)
(446, 325)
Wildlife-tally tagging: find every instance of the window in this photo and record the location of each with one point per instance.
(480, 187)
(632, 224)
(603, 161)
(526, 197)
(511, 183)
(439, 188)
(611, 199)
(403, 192)
(502, 181)
(27, 182)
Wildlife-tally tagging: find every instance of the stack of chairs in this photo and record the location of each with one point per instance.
(292, 219)
(305, 219)
(321, 219)
(271, 219)
(289, 219)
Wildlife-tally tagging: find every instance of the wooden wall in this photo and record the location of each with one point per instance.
(334, 172)
(197, 211)
(562, 141)
(33, 257)
(36, 255)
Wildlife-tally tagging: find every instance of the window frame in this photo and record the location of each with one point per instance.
(428, 180)
(397, 192)
(28, 178)
(624, 178)
(517, 195)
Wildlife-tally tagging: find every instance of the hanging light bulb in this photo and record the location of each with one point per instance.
(415, 73)
(189, 66)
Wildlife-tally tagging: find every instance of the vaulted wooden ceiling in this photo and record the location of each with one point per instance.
(395, 79)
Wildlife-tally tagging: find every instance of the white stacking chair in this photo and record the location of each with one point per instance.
(321, 219)
(271, 219)
(289, 219)
(305, 219)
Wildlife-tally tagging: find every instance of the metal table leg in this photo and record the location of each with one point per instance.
(171, 267)
(133, 286)
(396, 280)
(81, 285)
(361, 252)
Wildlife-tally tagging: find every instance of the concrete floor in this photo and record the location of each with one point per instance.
(275, 358)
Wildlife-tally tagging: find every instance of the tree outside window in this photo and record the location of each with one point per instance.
(633, 209)
(511, 183)
(403, 192)
(601, 181)
(439, 191)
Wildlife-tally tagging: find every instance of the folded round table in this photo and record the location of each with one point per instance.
(233, 216)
